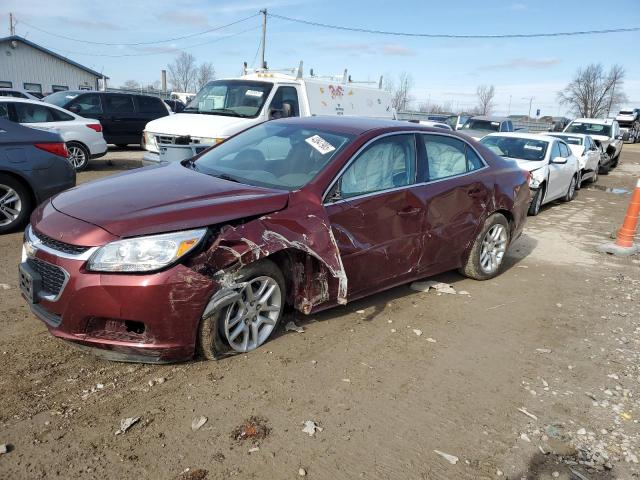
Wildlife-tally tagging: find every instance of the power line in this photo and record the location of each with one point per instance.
(163, 51)
(447, 35)
(140, 43)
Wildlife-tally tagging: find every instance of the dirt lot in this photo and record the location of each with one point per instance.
(533, 374)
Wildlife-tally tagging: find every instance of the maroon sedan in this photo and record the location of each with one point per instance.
(204, 255)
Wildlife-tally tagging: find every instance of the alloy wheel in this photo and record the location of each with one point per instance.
(250, 320)
(494, 246)
(10, 205)
(572, 188)
(77, 157)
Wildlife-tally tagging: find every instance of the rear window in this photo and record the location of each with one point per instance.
(119, 104)
(150, 105)
(570, 140)
(589, 128)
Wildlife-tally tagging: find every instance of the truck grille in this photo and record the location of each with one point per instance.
(53, 277)
(165, 139)
(60, 246)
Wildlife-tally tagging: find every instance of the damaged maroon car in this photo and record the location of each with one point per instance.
(203, 256)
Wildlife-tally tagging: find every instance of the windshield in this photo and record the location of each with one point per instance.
(518, 148)
(61, 98)
(483, 125)
(273, 155)
(569, 139)
(589, 128)
(235, 98)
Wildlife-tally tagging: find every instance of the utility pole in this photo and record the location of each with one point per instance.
(264, 37)
(530, 102)
(12, 25)
(509, 109)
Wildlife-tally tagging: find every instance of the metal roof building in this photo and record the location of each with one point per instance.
(28, 66)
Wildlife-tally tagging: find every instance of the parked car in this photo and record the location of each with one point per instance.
(203, 255)
(629, 122)
(12, 92)
(176, 106)
(434, 124)
(33, 167)
(457, 121)
(605, 132)
(586, 151)
(83, 136)
(123, 115)
(554, 170)
(223, 108)
(478, 127)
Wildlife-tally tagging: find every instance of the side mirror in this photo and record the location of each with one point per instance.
(559, 160)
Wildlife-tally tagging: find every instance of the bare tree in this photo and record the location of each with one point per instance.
(593, 93)
(206, 73)
(486, 95)
(131, 85)
(182, 72)
(401, 96)
(428, 107)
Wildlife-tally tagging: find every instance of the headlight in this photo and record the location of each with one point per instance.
(150, 142)
(144, 254)
(207, 140)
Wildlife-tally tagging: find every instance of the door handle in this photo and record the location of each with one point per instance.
(409, 211)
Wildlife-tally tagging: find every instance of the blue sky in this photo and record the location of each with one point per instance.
(443, 70)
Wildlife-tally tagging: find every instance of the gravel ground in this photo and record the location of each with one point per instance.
(532, 375)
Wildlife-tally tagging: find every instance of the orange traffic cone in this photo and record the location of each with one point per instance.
(624, 241)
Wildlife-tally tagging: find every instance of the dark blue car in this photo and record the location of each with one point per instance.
(33, 167)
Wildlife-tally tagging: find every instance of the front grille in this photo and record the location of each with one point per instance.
(165, 139)
(52, 277)
(60, 246)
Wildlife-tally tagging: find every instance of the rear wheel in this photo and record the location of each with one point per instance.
(579, 180)
(594, 179)
(78, 155)
(247, 321)
(489, 249)
(571, 191)
(15, 204)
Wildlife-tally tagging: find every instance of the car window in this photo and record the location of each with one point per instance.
(286, 95)
(119, 104)
(4, 111)
(448, 156)
(555, 150)
(150, 105)
(87, 104)
(31, 113)
(386, 163)
(564, 150)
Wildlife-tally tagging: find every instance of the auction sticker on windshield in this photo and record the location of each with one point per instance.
(253, 93)
(533, 147)
(320, 144)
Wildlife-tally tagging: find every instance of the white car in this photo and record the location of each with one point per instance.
(83, 136)
(606, 133)
(587, 152)
(14, 92)
(434, 124)
(554, 169)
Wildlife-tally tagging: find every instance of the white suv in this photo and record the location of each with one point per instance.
(605, 132)
(83, 136)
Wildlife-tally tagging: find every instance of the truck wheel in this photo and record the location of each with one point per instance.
(488, 251)
(250, 319)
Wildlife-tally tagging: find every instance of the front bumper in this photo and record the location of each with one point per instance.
(150, 158)
(150, 318)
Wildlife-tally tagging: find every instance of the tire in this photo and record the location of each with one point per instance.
(571, 191)
(594, 179)
(78, 155)
(604, 168)
(614, 162)
(218, 324)
(536, 202)
(15, 204)
(486, 242)
(579, 181)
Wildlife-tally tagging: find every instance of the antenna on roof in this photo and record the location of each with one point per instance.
(244, 68)
(299, 75)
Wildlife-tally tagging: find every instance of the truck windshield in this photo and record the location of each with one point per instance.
(234, 98)
(518, 148)
(273, 154)
(483, 125)
(589, 128)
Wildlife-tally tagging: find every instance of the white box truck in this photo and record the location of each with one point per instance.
(225, 107)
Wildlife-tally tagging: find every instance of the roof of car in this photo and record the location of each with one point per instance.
(528, 136)
(79, 92)
(353, 125)
(22, 100)
(596, 121)
(489, 118)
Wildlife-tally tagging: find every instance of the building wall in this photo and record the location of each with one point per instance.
(27, 64)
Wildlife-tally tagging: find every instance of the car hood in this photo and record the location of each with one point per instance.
(529, 165)
(199, 125)
(165, 198)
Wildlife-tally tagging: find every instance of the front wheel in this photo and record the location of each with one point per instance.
(15, 204)
(78, 155)
(249, 319)
(536, 202)
(489, 249)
